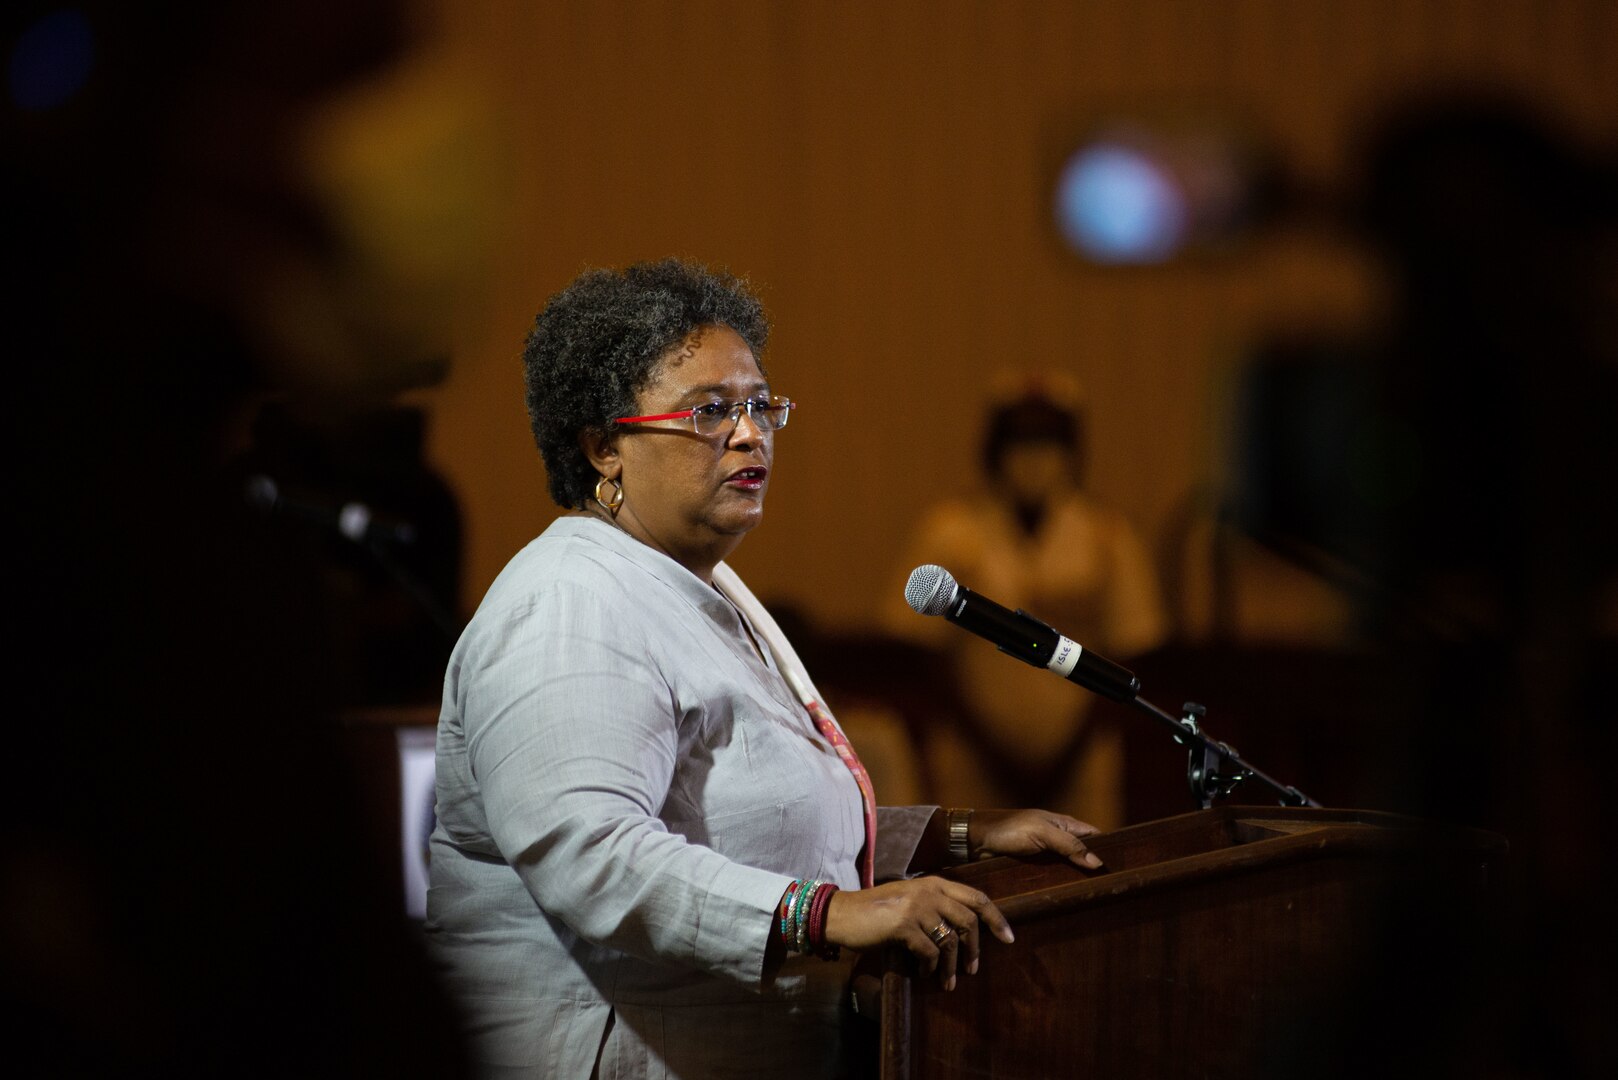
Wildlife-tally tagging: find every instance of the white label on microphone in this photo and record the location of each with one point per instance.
(1065, 657)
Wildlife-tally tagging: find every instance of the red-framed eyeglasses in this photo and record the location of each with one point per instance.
(769, 413)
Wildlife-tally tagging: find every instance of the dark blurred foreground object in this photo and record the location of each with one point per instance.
(352, 504)
(1501, 366)
(187, 890)
(1453, 471)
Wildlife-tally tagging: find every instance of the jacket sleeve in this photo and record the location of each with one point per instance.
(898, 833)
(572, 738)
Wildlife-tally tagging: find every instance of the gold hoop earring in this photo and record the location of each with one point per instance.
(617, 496)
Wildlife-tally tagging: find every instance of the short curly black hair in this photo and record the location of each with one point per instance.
(600, 341)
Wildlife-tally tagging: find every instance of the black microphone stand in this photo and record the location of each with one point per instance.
(446, 623)
(1215, 768)
(265, 494)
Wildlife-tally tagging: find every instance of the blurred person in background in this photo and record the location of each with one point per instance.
(1032, 537)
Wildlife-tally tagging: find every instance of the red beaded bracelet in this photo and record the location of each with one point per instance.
(817, 923)
(802, 912)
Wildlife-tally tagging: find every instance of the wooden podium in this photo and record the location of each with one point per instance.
(1237, 941)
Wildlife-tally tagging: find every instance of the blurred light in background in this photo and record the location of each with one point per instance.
(1117, 205)
(1138, 192)
(51, 61)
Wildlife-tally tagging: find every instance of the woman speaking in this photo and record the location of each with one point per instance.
(656, 854)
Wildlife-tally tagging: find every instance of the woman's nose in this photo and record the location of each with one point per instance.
(747, 431)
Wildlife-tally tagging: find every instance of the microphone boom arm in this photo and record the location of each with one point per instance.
(1214, 769)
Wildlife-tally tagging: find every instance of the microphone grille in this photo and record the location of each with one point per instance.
(930, 590)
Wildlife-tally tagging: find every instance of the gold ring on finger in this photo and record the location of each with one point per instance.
(941, 933)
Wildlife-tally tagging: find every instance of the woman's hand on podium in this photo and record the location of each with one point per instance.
(1031, 832)
(937, 920)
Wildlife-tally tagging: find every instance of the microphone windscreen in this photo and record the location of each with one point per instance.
(930, 590)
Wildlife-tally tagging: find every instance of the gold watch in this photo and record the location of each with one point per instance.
(960, 820)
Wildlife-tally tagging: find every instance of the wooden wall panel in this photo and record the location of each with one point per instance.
(883, 172)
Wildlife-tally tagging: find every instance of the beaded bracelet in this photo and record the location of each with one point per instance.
(791, 902)
(802, 912)
(788, 937)
(800, 916)
(817, 923)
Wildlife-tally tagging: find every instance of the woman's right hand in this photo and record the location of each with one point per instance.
(908, 912)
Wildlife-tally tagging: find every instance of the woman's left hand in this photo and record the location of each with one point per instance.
(1029, 832)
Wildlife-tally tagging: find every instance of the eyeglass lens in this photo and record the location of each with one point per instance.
(771, 415)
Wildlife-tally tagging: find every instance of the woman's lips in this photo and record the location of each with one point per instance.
(749, 479)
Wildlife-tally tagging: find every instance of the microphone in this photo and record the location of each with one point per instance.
(353, 520)
(932, 590)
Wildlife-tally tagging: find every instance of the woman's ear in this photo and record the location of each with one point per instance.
(602, 452)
